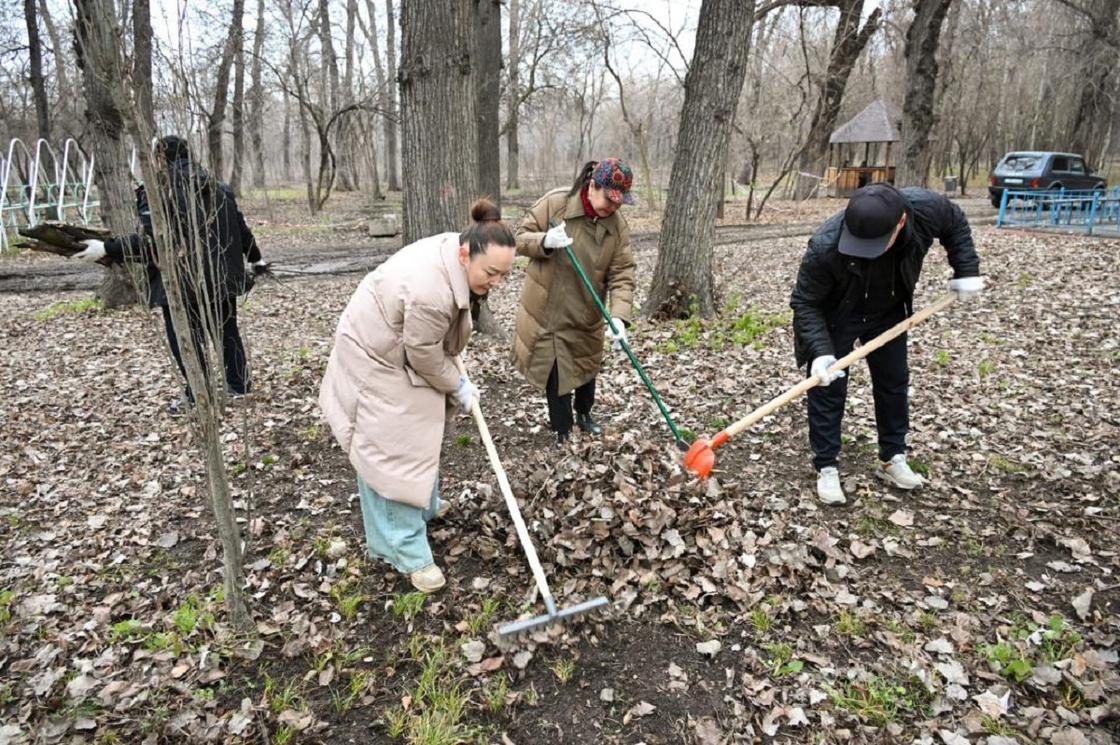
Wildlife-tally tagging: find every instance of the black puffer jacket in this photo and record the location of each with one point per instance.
(203, 211)
(830, 285)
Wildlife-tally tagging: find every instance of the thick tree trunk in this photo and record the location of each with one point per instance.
(513, 146)
(847, 44)
(38, 84)
(256, 101)
(217, 118)
(337, 98)
(238, 109)
(392, 121)
(488, 72)
(922, 39)
(1092, 118)
(142, 60)
(438, 115)
(101, 63)
(683, 276)
(348, 132)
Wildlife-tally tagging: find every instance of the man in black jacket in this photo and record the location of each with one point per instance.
(206, 225)
(856, 280)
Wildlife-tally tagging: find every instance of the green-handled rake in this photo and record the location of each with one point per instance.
(553, 614)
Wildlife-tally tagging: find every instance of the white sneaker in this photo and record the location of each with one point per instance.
(828, 486)
(898, 473)
(429, 579)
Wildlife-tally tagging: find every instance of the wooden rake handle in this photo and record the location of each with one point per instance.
(844, 362)
(511, 501)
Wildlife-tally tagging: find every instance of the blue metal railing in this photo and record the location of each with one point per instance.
(1088, 211)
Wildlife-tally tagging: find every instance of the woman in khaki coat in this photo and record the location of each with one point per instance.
(558, 345)
(385, 389)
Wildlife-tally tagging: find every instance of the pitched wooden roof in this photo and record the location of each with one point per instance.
(879, 122)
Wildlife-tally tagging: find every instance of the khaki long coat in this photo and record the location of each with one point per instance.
(557, 321)
(384, 392)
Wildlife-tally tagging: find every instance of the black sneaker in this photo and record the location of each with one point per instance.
(562, 437)
(589, 425)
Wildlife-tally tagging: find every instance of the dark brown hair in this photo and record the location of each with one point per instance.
(584, 177)
(486, 228)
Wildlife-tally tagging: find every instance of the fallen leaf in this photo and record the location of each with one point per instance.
(902, 518)
(710, 648)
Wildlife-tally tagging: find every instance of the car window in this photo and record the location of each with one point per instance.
(1076, 165)
(1061, 163)
(1019, 162)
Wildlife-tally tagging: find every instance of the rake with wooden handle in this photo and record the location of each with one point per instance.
(553, 615)
(701, 456)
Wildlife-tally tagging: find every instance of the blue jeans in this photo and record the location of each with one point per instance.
(397, 532)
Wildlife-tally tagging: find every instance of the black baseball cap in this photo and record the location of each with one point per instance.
(872, 215)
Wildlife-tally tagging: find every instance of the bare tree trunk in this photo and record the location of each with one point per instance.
(438, 115)
(384, 90)
(347, 131)
(336, 101)
(392, 121)
(683, 276)
(488, 72)
(142, 60)
(1092, 119)
(256, 101)
(847, 44)
(38, 85)
(922, 39)
(221, 93)
(65, 92)
(287, 138)
(97, 32)
(513, 147)
(238, 111)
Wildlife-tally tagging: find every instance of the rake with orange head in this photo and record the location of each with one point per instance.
(701, 457)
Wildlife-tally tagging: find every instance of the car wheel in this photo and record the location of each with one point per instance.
(996, 201)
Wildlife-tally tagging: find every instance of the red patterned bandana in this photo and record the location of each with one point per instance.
(588, 210)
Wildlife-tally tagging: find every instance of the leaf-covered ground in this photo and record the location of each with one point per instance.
(982, 608)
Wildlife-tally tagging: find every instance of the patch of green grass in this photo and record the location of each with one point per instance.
(780, 659)
(687, 434)
(64, 307)
(408, 605)
(1025, 280)
(760, 620)
(882, 700)
(941, 357)
(563, 670)
(494, 695)
(994, 341)
(347, 602)
(396, 721)
(1008, 660)
(202, 695)
(283, 735)
(267, 461)
(6, 598)
(126, 630)
(1006, 465)
(985, 368)
(311, 432)
(850, 624)
(279, 697)
(463, 440)
(1059, 640)
(162, 641)
(717, 424)
(477, 621)
(189, 616)
(918, 466)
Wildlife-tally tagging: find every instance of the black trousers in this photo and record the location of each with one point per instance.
(890, 379)
(233, 351)
(560, 407)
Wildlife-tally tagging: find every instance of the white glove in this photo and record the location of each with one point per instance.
(557, 238)
(94, 250)
(620, 336)
(820, 369)
(966, 288)
(466, 393)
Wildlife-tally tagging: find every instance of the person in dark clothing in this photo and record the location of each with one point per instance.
(856, 280)
(206, 224)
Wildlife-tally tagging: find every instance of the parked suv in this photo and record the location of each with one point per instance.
(1041, 170)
